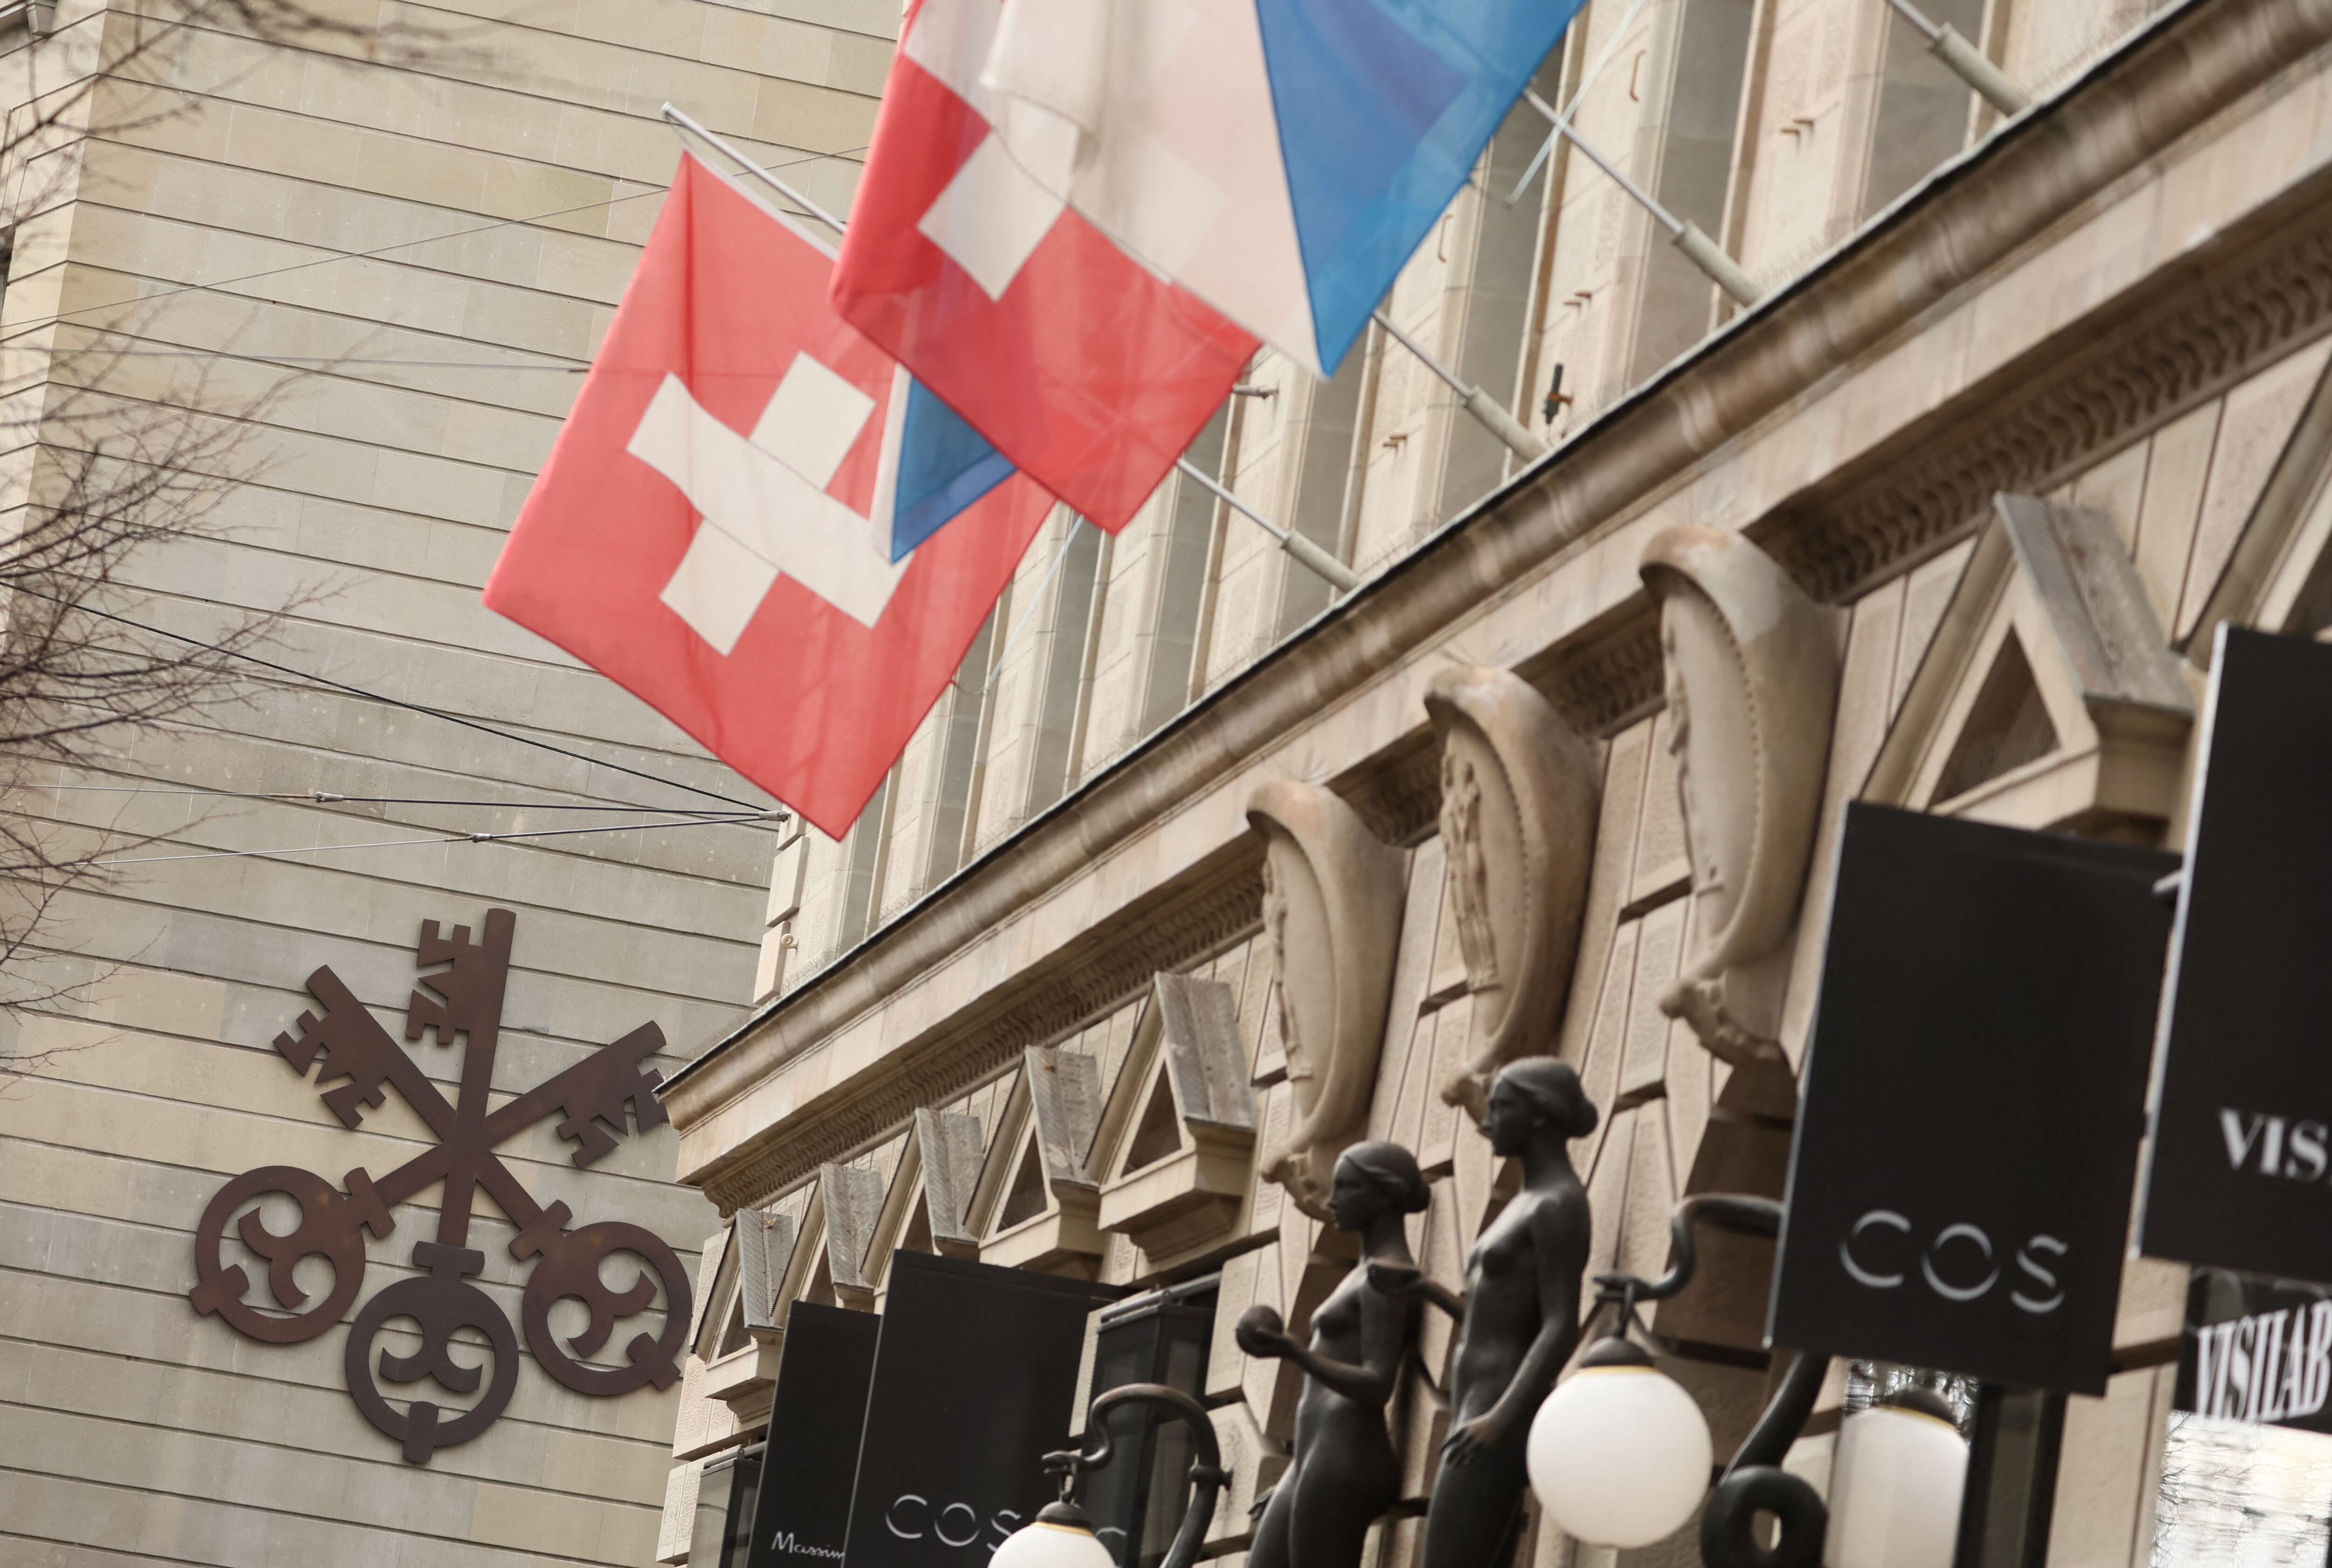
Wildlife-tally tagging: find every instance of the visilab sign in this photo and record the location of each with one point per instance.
(2240, 1171)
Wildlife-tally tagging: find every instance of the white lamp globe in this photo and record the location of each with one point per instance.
(1619, 1455)
(1060, 1538)
(1895, 1491)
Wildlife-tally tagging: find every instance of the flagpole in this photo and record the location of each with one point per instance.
(1687, 236)
(1486, 410)
(1338, 575)
(1337, 572)
(683, 121)
(1966, 60)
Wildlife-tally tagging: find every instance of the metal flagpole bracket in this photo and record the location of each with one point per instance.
(1486, 410)
(1687, 236)
(1966, 60)
(1337, 574)
(681, 121)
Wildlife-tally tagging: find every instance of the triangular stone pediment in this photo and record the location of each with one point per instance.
(2277, 576)
(2048, 696)
(1176, 1144)
(1185, 1079)
(718, 1311)
(1032, 1206)
(930, 1192)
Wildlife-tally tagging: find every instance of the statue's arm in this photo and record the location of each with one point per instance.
(1406, 1279)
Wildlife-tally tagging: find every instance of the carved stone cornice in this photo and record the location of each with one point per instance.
(1108, 965)
(2257, 289)
(2247, 298)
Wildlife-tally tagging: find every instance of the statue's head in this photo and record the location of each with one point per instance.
(1371, 1179)
(1532, 1095)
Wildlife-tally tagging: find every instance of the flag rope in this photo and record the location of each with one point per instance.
(327, 682)
(327, 798)
(437, 838)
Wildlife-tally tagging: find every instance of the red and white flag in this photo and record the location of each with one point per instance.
(1086, 369)
(713, 528)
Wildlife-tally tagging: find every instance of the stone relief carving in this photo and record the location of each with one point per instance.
(1332, 896)
(1751, 674)
(1519, 791)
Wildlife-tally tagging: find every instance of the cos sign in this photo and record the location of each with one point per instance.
(1958, 1263)
(1972, 1096)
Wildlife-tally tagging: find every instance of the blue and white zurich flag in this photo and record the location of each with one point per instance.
(1280, 158)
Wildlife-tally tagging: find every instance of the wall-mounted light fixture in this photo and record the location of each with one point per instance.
(1620, 1453)
(1062, 1534)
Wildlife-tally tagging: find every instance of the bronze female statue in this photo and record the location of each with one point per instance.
(1519, 1320)
(1344, 1472)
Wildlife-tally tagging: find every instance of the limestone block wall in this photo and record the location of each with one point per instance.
(2178, 499)
(301, 238)
(1780, 128)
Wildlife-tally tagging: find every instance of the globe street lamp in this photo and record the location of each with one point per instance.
(1062, 1534)
(1620, 1453)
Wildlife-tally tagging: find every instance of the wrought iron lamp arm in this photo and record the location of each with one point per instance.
(1208, 1477)
(1754, 1483)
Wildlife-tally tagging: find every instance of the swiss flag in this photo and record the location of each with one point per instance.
(1086, 370)
(712, 530)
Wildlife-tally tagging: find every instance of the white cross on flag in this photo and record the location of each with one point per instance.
(717, 526)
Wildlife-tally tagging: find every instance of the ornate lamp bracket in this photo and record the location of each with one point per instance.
(1754, 1482)
(1208, 1477)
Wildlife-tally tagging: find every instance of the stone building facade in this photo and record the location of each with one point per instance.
(1563, 774)
(388, 248)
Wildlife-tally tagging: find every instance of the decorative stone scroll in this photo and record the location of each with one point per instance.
(761, 1245)
(1751, 674)
(1519, 794)
(852, 1200)
(1333, 895)
(947, 1143)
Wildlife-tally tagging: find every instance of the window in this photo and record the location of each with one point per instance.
(1068, 665)
(863, 867)
(967, 707)
(1187, 547)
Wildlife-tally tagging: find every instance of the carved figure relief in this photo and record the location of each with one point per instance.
(1751, 664)
(592, 1103)
(1519, 790)
(1332, 908)
(1469, 871)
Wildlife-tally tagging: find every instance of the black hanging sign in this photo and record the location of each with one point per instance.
(811, 1458)
(2240, 1173)
(974, 1376)
(1974, 1089)
(2257, 1350)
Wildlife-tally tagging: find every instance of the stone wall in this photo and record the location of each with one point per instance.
(301, 236)
(1987, 337)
